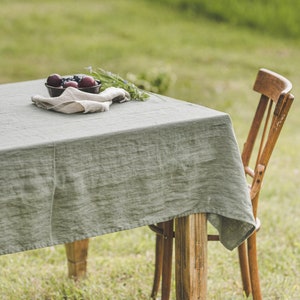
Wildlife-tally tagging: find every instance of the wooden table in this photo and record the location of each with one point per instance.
(66, 178)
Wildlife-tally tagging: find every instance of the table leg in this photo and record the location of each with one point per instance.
(77, 258)
(191, 257)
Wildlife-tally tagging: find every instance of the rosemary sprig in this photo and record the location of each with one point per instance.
(109, 79)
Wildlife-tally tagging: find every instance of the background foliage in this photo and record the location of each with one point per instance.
(212, 50)
(272, 17)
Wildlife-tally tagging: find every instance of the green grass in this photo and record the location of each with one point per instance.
(215, 64)
(269, 16)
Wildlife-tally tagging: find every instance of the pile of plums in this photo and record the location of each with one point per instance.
(77, 81)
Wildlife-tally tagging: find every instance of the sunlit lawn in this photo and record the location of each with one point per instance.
(215, 65)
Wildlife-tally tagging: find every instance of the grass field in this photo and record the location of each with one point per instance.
(214, 64)
(269, 16)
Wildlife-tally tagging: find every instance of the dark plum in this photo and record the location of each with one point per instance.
(87, 81)
(54, 80)
(71, 83)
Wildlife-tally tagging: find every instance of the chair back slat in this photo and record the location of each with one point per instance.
(264, 132)
(254, 130)
(278, 120)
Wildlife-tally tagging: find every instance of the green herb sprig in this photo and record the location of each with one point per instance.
(109, 79)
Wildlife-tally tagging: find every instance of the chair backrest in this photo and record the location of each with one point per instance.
(273, 107)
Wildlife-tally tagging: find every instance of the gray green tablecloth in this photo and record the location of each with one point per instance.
(70, 177)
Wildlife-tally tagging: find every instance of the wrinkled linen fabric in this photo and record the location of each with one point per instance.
(73, 100)
(71, 177)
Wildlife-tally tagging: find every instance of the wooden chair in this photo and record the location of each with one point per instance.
(273, 107)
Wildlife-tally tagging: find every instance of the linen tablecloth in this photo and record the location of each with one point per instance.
(70, 177)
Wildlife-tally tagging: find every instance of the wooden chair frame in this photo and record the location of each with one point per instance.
(272, 110)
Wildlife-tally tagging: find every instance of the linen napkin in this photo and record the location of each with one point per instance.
(72, 100)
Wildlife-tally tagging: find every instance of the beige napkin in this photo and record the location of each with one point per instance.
(73, 100)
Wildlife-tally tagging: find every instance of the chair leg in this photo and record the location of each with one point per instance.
(244, 267)
(158, 263)
(163, 260)
(167, 259)
(253, 267)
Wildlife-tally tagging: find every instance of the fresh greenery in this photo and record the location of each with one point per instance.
(109, 79)
(154, 80)
(215, 64)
